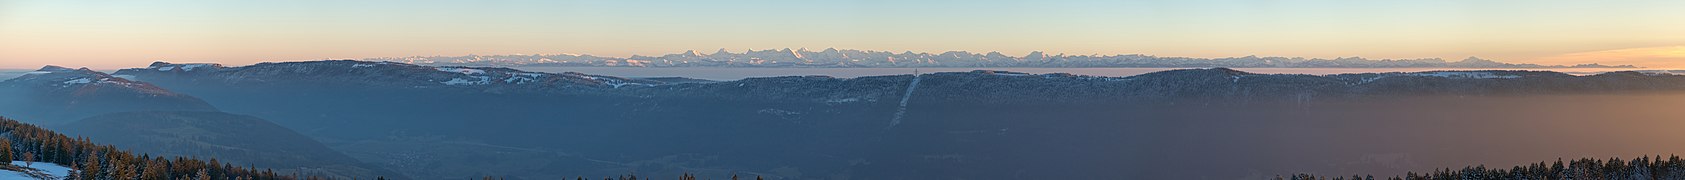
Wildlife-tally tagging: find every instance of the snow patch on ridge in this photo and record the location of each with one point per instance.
(78, 81)
(466, 71)
(1442, 74)
(459, 81)
(523, 78)
(614, 82)
(189, 67)
(518, 80)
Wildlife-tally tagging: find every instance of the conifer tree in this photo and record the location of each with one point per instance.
(154, 170)
(90, 169)
(5, 150)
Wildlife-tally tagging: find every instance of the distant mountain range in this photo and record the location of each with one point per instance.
(1210, 83)
(834, 58)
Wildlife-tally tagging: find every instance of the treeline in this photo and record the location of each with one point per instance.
(1614, 168)
(25, 142)
(685, 176)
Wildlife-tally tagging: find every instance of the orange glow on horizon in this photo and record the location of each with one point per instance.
(1650, 57)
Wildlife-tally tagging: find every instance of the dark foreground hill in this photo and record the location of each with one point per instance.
(26, 142)
(236, 139)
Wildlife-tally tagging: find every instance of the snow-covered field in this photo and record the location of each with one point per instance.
(55, 170)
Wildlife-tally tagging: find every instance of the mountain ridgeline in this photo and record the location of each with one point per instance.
(1213, 83)
(56, 95)
(466, 122)
(848, 58)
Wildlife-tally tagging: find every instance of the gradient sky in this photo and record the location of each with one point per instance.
(116, 34)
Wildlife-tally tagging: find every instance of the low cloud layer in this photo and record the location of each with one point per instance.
(1651, 57)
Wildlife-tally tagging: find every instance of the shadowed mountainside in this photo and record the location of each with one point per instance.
(458, 122)
(56, 95)
(236, 139)
(148, 119)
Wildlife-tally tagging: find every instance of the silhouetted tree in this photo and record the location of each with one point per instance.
(1614, 168)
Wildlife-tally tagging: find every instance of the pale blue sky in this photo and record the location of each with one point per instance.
(111, 34)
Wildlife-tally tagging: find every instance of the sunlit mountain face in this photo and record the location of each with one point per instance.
(842, 89)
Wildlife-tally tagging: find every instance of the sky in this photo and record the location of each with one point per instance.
(118, 34)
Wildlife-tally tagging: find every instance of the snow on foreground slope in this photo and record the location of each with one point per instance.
(52, 171)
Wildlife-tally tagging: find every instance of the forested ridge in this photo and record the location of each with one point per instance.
(1651, 167)
(32, 143)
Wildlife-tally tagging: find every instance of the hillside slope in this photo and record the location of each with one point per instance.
(237, 139)
(454, 122)
(148, 119)
(95, 161)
